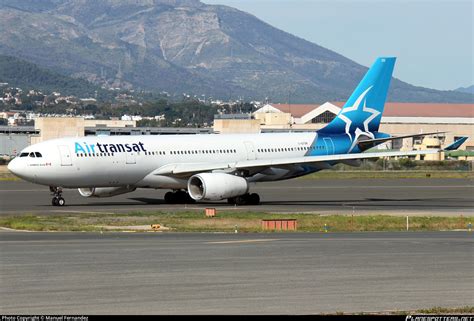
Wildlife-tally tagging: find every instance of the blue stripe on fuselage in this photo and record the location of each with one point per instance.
(324, 144)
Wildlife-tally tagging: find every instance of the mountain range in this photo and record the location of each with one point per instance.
(184, 46)
(469, 89)
(27, 76)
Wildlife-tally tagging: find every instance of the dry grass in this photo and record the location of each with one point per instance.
(328, 174)
(228, 221)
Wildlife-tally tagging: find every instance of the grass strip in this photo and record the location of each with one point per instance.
(432, 311)
(195, 221)
(328, 174)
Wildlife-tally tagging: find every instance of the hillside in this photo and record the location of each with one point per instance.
(468, 90)
(20, 73)
(184, 46)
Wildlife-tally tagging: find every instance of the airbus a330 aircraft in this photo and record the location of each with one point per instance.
(212, 167)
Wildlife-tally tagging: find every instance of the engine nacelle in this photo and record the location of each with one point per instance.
(105, 191)
(216, 186)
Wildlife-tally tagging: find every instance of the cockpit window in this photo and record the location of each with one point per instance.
(23, 154)
(38, 154)
(32, 154)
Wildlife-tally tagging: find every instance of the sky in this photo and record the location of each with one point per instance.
(432, 39)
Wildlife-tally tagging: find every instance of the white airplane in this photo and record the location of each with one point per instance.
(212, 167)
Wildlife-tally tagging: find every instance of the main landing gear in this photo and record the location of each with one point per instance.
(246, 199)
(178, 197)
(57, 200)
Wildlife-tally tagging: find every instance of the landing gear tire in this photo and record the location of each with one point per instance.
(246, 199)
(254, 199)
(169, 198)
(57, 200)
(61, 201)
(178, 197)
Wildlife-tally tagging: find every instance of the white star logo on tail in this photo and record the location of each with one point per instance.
(358, 132)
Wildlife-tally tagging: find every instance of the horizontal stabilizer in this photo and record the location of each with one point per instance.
(369, 143)
(457, 143)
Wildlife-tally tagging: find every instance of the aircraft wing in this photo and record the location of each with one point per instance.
(189, 169)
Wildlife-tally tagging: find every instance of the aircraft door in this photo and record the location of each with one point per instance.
(65, 155)
(131, 157)
(329, 145)
(250, 150)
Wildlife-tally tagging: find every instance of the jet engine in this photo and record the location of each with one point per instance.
(105, 191)
(216, 186)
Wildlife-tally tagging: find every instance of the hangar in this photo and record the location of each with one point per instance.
(398, 119)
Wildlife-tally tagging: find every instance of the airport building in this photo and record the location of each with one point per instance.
(14, 138)
(450, 120)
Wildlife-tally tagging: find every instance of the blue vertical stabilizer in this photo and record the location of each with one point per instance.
(363, 110)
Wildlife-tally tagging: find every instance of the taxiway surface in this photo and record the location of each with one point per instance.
(338, 196)
(279, 273)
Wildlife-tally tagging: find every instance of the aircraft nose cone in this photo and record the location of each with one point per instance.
(14, 167)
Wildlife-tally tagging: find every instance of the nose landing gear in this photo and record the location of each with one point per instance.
(57, 200)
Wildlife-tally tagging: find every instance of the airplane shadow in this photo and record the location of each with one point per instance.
(382, 203)
(367, 202)
(414, 203)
